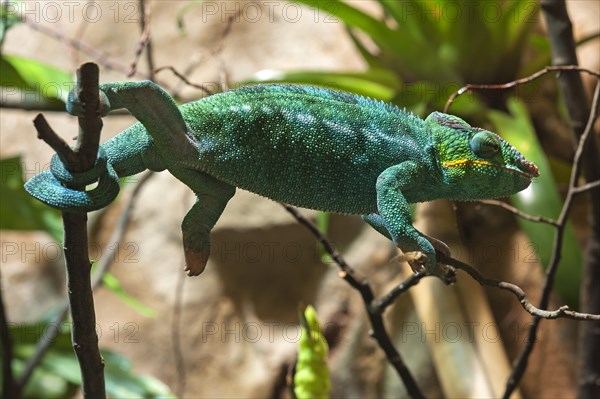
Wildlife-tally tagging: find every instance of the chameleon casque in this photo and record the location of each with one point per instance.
(301, 145)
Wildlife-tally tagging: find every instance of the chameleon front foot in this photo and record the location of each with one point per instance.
(418, 261)
(195, 261)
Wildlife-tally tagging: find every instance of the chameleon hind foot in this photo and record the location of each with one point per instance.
(195, 261)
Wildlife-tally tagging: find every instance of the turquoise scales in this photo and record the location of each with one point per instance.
(302, 145)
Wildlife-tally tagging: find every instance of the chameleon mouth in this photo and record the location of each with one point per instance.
(530, 168)
(527, 170)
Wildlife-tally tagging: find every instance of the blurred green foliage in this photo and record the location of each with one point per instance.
(311, 379)
(58, 374)
(419, 52)
(46, 87)
(18, 209)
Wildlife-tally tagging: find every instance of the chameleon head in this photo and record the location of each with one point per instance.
(476, 163)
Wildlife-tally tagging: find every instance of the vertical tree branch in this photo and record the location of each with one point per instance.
(84, 337)
(9, 389)
(563, 53)
(521, 362)
(78, 265)
(81, 300)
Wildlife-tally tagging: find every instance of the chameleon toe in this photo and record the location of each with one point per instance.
(195, 261)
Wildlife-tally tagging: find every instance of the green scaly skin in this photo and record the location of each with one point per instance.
(301, 145)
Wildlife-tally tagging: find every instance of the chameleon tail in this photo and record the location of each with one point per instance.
(53, 187)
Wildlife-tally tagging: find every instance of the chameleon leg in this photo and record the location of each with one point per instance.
(393, 219)
(150, 105)
(212, 196)
(376, 221)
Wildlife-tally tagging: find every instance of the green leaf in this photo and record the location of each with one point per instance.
(34, 82)
(403, 50)
(112, 283)
(43, 383)
(519, 17)
(423, 97)
(541, 198)
(312, 374)
(19, 210)
(58, 371)
(122, 383)
(373, 60)
(375, 83)
(9, 17)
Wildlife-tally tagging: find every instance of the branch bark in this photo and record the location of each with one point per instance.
(560, 34)
(78, 265)
(521, 362)
(361, 284)
(9, 389)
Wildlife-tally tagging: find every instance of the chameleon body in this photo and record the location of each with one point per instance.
(301, 145)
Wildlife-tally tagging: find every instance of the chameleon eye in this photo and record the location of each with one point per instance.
(485, 144)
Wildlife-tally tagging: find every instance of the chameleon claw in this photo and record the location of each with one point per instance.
(195, 261)
(418, 261)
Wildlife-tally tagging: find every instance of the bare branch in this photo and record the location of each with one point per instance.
(586, 187)
(509, 85)
(184, 79)
(521, 362)
(562, 312)
(361, 284)
(520, 213)
(98, 56)
(50, 137)
(9, 387)
(83, 335)
(176, 337)
(145, 42)
(381, 304)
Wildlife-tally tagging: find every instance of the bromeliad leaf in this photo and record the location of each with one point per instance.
(312, 374)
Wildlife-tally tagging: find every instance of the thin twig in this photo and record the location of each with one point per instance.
(145, 42)
(184, 79)
(361, 284)
(509, 85)
(586, 187)
(562, 312)
(50, 137)
(521, 363)
(390, 297)
(520, 213)
(176, 337)
(45, 342)
(99, 57)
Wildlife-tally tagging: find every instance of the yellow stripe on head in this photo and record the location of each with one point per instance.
(478, 162)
